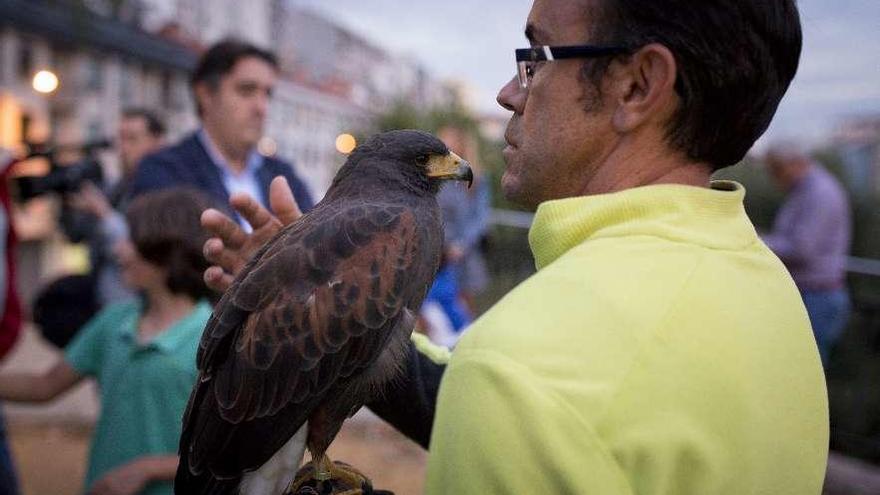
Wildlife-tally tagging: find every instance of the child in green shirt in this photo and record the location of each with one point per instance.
(142, 353)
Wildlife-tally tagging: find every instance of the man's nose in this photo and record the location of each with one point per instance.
(512, 96)
(262, 102)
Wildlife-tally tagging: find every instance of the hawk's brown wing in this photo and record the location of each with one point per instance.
(316, 305)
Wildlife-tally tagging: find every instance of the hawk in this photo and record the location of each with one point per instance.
(317, 322)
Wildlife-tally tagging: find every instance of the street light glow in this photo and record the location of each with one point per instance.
(345, 143)
(45, 81)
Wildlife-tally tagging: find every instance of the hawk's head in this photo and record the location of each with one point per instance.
(418, 157)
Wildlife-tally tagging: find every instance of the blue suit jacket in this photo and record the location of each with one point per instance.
(187, 163)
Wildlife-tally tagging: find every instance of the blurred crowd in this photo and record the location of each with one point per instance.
(133, 322)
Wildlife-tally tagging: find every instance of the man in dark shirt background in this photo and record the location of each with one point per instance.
(811, 235)
(232, 85)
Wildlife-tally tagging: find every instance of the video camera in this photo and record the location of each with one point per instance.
(62, 179)
(78, 226)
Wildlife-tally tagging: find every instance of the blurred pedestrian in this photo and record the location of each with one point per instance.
(466, 218)
(811, 235)
(10, 311)
(232, 86)
(68, 302)
(444, 314)
(450, 304)
(140, 133)
(142, 353)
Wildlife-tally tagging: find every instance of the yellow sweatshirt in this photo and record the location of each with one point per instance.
(661, 349)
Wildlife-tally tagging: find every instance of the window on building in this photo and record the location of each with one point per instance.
(25, 59)
(94, 131)
(93, 72)
(4, 63)
(26, 122)
(64, 63)
(126, 91)
(167, 89)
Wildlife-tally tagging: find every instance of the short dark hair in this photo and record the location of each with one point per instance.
(221, 58)
(154, 125)
(165, 228)
(736, 59)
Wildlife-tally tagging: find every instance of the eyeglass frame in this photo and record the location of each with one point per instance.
(546, 53)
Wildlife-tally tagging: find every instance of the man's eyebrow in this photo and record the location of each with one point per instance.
(533, 34)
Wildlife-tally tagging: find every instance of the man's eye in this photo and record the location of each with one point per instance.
(532, 69)
(247, 89)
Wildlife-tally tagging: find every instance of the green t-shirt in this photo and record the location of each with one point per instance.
(144, 388)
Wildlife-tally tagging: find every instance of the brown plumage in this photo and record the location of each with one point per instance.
(318, 319)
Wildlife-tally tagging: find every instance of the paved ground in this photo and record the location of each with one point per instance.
(50, 443)
(848, 476)
(51, 457)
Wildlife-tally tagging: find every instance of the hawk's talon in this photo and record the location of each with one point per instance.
(339, 476)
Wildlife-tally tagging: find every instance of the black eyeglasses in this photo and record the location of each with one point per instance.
(528, 58)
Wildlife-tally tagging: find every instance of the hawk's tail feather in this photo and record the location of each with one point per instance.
(185, 483)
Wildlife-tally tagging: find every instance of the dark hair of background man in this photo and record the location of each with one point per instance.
(154, 125)
(736, 59)
(221, 58)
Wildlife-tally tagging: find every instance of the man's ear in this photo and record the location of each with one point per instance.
(645, 88)
(204, 94)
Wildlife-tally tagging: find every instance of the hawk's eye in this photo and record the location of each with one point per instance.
(422, 160)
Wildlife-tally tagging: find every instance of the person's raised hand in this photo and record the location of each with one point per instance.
(230, 247)
(90, 199)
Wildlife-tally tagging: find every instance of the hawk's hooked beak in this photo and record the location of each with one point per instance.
(450, 167)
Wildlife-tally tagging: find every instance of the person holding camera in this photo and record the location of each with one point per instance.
(91, 215)
(140, 133)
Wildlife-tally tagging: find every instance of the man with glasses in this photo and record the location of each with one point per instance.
(661, 348)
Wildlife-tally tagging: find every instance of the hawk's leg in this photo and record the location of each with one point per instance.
(323, 468)
(326, 476)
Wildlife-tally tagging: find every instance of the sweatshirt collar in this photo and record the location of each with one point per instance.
(712, 217)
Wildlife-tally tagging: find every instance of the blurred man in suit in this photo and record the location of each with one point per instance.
(232, 86)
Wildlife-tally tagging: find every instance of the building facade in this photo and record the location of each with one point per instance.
(208, 21)
(332, 80)
(303, 124)
(102, 67)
